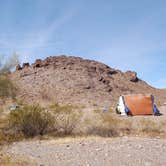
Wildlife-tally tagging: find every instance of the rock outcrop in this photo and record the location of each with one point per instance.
(73, 80)
(132, 76)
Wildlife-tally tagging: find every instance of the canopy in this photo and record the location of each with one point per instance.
(137, 104)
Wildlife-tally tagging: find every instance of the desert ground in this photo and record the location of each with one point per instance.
(66, 116)
(91, 151)
(126, 150)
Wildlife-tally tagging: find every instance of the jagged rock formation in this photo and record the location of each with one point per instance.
(73, 80)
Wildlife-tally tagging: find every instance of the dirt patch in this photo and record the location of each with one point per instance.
(92, 151)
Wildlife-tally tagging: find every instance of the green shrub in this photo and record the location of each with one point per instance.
(31, 120)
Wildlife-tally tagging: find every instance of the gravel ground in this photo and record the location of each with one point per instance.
(92, 151)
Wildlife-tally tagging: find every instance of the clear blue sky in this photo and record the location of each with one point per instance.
(124, 34)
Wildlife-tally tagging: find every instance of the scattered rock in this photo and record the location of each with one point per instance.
(102, 151)
(140, 147)
(77, 81)
(87, 87)
(112, 72)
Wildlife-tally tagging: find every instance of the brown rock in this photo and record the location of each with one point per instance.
(18, 67)
(112, 71)
(132, 76)
(25, 65)
(78, 81)
(38, 63)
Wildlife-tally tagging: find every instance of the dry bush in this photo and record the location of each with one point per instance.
(31, 120)
(148, 126)
(7, 88)
(103, 124)
(108, 124)
(66, 118)
(8, 135)
(35, 120)
(8, 63)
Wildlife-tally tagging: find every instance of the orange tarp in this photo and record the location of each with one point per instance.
(139, 104)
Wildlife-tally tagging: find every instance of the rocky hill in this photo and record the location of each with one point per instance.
(77, 81)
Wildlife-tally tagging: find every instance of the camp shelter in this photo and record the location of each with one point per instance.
(137, 104)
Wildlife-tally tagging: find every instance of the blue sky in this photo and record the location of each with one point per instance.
(124, 34)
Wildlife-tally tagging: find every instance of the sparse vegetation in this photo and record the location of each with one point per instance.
(7, 88)
(31, 120)
(107, 124)
(66, 118)
(8, 135)
(9, 63)
(7, 160)
(61, 120)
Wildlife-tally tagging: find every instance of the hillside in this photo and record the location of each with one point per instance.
(77, 81)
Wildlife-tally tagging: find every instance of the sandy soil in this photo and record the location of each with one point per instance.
(92, 151)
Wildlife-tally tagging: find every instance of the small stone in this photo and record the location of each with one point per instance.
(147, 164)
(106, 154)
(140, 147)
(129, 155)
(98, 149)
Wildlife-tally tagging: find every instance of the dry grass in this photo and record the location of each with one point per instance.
(6, 134)
(6, 160)
(66, 118)
(108, 124)
(7, 88)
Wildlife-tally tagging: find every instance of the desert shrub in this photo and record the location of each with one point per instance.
(66, 118)
(7, 89)
(148, 126)
(107, 124)
(8, 135)
(31, 120)
(110, 124)
(8, 63)
(103, 124)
